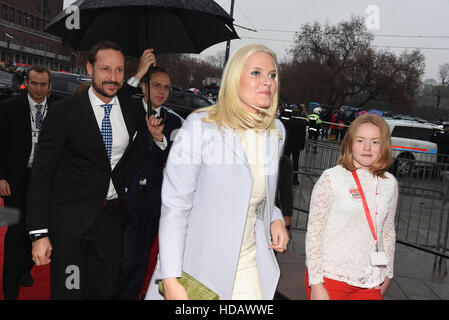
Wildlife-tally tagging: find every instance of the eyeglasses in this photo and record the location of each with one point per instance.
(158, 86)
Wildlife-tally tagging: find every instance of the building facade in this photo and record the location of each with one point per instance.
(22, 39)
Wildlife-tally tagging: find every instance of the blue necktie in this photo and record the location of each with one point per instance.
(106, 129)
(38, 116)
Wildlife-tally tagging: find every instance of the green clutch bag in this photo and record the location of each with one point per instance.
(195, 289)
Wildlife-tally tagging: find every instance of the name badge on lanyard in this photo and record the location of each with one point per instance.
(35, 137)
(378, 258)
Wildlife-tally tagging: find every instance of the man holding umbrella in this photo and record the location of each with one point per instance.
(77, 203)
(144, 195)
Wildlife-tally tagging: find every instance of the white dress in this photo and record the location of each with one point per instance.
(339, 239)
(246, 283)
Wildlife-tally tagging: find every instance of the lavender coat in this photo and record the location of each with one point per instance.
(205, 197)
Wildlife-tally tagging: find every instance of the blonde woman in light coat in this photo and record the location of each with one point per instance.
(218, 219)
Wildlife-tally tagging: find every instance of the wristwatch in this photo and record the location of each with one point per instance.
(37, 236)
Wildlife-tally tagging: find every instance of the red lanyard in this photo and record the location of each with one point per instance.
(365, 206)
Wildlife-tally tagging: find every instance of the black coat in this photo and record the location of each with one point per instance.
(15, 140)
(150, 161)
(71, 172)
(296, 133)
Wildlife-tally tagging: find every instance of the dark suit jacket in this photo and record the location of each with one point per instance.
(15, 140)
(284, 192)
(150, 162)
(71, 172)
(296, 133)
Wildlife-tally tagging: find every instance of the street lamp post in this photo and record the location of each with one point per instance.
(438, 95)
(228, 43)
(8, 41)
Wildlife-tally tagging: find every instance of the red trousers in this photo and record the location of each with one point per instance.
(338, 290)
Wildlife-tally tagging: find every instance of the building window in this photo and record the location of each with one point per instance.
(12, 14)
(38, 23)
(25, 19)
(31, 21)
(4, 12)
(19, 17)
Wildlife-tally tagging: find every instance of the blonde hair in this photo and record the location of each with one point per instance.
(228, 110)
(385, 159)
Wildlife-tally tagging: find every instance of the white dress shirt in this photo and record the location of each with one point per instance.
(34, 130)
(120, 137)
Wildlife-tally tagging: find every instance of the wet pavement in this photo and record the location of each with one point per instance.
(415, 277)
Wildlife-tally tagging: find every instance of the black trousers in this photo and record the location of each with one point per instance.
(87, 267)
(17, 245)
(293, 150)
(138, 239)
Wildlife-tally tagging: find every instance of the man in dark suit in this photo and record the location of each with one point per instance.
(295, 140)
(20, 122)
(145, 190)
(76, 200)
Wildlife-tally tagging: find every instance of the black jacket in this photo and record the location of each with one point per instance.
(15, 140)
(71, 172)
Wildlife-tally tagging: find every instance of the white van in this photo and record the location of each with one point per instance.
(410, 141)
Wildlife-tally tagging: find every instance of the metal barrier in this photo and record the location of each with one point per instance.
(422, 216)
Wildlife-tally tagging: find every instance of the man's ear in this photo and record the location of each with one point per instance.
(89, 68)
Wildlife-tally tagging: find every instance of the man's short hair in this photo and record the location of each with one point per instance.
(102, 45)
(38, 69)
(152, 71)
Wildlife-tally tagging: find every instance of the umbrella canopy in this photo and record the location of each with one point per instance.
(168, 26)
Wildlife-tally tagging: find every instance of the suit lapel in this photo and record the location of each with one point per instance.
(25, 114)
(127, 116)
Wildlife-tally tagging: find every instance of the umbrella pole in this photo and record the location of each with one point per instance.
(147, 98)
(147, 22)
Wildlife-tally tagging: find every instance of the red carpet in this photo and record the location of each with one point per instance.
(41, 275)
(41, 288)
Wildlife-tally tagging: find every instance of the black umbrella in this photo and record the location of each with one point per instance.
(168, 26)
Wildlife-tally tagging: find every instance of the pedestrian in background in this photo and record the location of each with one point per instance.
(284, 193)
(21, 121)
(350, 240)
(219, 188)
(295, 140)
(144, 193)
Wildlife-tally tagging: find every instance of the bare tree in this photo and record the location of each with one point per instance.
(443, 73)
(336, 64)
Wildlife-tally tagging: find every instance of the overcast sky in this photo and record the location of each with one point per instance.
(395, 17)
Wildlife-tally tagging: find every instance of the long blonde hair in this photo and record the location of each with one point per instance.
(228, 111)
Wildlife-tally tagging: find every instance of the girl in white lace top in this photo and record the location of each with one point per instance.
(350, 249)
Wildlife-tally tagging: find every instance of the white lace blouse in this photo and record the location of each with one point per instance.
(339, 239)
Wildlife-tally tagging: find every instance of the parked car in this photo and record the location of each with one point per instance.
(183, 103)
(8, 87)
(64, 84)
(412, 145)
